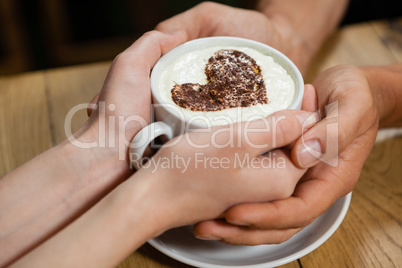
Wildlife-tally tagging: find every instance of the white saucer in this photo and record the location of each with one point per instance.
(181, 245)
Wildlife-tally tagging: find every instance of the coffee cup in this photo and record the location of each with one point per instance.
(188, 61)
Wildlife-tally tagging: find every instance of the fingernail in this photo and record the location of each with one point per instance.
(207, 237)
(307, 120)
(309, 153)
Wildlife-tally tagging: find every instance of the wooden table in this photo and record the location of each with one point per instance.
(33, 107)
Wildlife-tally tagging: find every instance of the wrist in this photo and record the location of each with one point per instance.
(125, 212)
(99, 166)
(141, 195)
(100, 143)
(292, 43)
(308, 23)
(384, 84)
(147, 203)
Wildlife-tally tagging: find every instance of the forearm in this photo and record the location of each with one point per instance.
(99, 237)
(386, 85)
(312, 20)
(48, 192)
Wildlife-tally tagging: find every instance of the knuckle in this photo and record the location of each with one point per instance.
(207, 5)
(161, 26)
(153, 34)
(121, 60)
(234, 215)
(117, 58)
(207, 10)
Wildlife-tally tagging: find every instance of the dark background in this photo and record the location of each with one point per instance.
(41, 34)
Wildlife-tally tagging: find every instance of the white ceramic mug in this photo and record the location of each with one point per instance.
(169, 122)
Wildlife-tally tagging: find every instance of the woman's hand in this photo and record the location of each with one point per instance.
(334, 150)
(50, 191)
(194, 177)
(123, 106)
(202, 173)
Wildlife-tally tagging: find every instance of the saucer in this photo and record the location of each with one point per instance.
(180, 244)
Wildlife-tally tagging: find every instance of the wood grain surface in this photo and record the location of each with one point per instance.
(24, 120)
(33, 108)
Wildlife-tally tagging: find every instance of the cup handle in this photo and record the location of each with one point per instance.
(144, 137)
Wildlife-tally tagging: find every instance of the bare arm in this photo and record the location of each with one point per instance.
(157, 198)
(43, 196)
(50, 197)
(52, 213)
(104, 235)
(386, 85)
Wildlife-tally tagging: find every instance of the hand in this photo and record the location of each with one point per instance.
(123, 107)
(193, 177)
(349, 126)
(210, 170)
(79, 173)
(213, 19)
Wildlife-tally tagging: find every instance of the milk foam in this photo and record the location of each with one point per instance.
(189, 68)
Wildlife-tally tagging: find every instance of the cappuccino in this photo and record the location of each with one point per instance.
(226, 84)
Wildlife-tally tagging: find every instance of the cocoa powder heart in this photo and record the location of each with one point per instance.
(234, 79)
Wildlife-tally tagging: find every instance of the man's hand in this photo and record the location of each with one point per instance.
(349, 125)
(213, 19)
(296, 28)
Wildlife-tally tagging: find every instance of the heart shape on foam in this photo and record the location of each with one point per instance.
(234, 80)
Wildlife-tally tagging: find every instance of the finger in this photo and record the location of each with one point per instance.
(318, 189)
(91, 105)
(328, 137)
(142, 55)
(344, 120)
(237, 235)
(275, 131)
(275, 174)
(182, 21)
(127, 83)
(309, 103)
(309, 201)
(195, 22)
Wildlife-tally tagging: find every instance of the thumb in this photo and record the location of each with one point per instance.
(321, 142)
(348, 110)
(343, 122)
